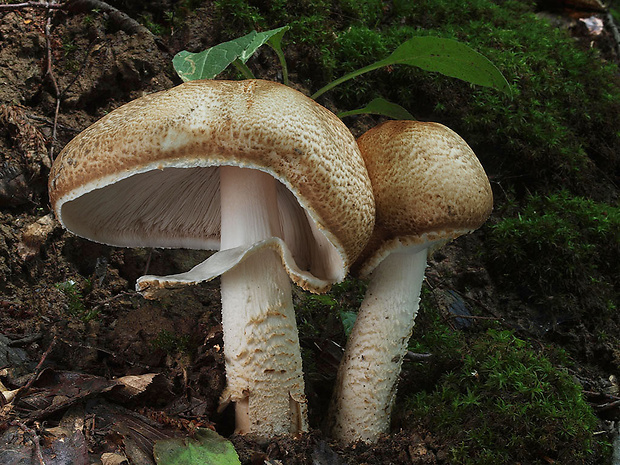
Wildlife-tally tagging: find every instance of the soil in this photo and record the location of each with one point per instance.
(73, 330)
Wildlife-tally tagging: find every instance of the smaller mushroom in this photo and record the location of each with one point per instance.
(429, 188)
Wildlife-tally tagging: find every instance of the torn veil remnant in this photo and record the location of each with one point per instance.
(253, 169)
(429, 188)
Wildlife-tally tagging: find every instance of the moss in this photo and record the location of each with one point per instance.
(504, 403)
(171, 343)
(562, 94)
(74, 294)
(236, 15)
(561, 125)
(562, 251)
(328, 314)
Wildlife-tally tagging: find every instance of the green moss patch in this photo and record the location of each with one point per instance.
(506, 403)
(563, 252)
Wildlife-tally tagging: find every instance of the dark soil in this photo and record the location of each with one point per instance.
(71, 347)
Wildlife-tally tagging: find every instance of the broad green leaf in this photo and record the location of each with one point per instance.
(205, 448)
(348, 320)
(445, 56)
(380, 106)
(260, 38)
(212, 61)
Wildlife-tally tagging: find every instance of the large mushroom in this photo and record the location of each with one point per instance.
(429, 188)
(253, 169)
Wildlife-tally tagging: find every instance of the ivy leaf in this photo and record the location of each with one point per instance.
(205, 448)
(445, 56)
(379, 106)
(212, 61)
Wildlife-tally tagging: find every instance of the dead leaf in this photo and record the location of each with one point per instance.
(54, 391)
(113, 458)
(142, 387)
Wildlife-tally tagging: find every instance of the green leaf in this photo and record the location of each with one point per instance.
(275, 42)
(348, 320)
(212, 61)
(205, 448)
(380, 106)
(260, 38)
(445, 56)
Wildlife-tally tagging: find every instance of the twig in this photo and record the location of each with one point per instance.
(61, 93)
(601, 394)
(111, 299)
(607, 406)
(46, 5)
(82, 66)
(121, 19)
(614, 401)
(50, 73)
(22, 390)
(34, 439)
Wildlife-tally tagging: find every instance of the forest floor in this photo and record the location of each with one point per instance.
(93, 372)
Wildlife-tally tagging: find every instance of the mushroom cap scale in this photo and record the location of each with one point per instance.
(429, 188)
(146, 173)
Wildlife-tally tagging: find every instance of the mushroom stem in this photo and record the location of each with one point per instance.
(368, 374)
(261, 344)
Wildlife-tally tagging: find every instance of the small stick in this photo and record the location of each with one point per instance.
(22, 390)
(607, 406)
(50, 73)
(34, 439)
(17, 6)
(111, 299)
(122, 20)
(601, 394)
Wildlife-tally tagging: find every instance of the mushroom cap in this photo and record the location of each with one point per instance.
(146, 174)
(428, 184)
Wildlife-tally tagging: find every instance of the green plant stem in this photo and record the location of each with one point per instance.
(282, 59)
(346, 77)
(242, 67)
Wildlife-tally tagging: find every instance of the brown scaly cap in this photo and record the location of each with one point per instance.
(200, 125)
(428, 184)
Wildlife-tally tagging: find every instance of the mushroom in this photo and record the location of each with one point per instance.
(253, 169)
(429, 188)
